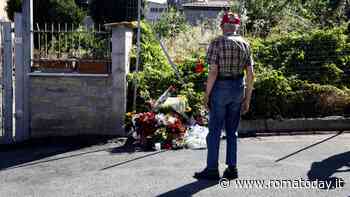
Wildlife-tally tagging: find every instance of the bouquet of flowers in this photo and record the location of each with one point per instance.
(166, 129)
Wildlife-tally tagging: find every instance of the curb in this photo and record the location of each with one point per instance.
(252, 127)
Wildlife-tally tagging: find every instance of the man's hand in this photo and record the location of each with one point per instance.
(249, 80)
(245, 105)
(213, 73)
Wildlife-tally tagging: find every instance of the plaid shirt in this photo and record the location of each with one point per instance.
(231, 53)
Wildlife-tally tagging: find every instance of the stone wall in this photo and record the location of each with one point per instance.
(73, 105)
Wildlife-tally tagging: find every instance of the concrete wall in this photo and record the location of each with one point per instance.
(72, 105)
(82, 104)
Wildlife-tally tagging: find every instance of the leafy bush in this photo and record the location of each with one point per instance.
(325, 100)
(301, 75)
(82, 43)
(157, 75)
(271, 90)
(266, 15)
(276, 96)
(171, 23)
(297, 75)
(318, 56)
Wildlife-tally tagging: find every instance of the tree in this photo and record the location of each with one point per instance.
(12, 7)
(108, 11)
(263, 15)
(50, 11)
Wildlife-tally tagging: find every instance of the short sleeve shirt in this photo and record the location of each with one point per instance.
(231, 53)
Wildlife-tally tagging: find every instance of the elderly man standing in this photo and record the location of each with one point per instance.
(228, 94)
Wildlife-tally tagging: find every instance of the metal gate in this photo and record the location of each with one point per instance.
(6, 91)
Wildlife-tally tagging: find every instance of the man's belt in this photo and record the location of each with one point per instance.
(229, 77)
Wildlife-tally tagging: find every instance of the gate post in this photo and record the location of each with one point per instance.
(28, 45)
(20, 132)
(23, 61)
(121, 47)
(7, 83)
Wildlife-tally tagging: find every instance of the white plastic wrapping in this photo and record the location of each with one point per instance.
(195, 137)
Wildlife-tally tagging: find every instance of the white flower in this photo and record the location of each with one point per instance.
(161, 119)
(171, 120)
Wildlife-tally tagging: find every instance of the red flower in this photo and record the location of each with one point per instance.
(172, 88)
(147, 118)
(177, 127)
(199, 68)
(147, 121)
(167, 146)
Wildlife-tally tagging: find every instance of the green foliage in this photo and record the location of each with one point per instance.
(155, 74)
(324, 12)
(171, 23)
(152, 54)
(195, 97)
(271, 90)
(263, 15)
(50, 11)
(302, 74)
(109, 11)
(266, 15)
(82, 43)
(301, 71)
(278, 97)
(319, 56)
(321, 100)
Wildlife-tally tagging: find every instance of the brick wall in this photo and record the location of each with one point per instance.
(72, 105)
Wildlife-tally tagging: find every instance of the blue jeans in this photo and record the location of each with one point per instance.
(225, 110)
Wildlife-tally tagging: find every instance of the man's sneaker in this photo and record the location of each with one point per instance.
(230, 173)
(208, 174)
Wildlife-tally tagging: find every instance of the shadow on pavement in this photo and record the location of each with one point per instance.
(28, 153)
(134, 159)
(310, 146)
(189, 189)
(325, 169)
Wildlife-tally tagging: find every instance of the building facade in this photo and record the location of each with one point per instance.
(154, 9)
(200, 11)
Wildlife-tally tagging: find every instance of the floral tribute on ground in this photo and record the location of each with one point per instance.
(169, 122)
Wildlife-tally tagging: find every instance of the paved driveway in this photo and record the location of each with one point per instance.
(285, 165)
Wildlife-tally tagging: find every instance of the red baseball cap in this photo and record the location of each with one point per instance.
(230, 18)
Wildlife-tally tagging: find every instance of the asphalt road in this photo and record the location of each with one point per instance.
(110, 171)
